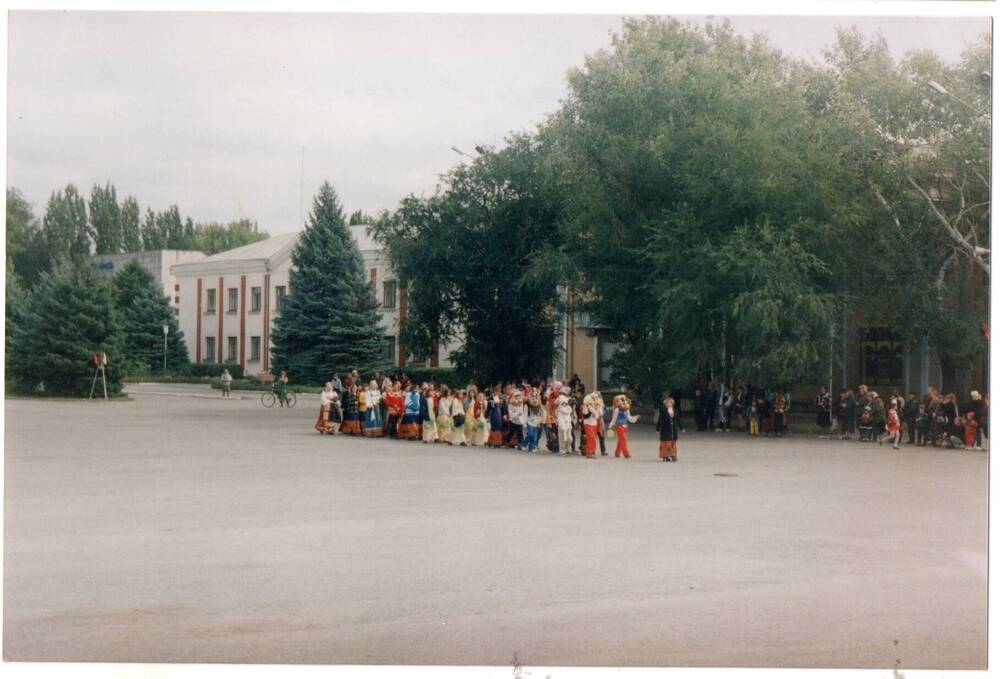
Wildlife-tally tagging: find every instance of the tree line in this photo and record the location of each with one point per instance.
(72, 228)
(718, 208)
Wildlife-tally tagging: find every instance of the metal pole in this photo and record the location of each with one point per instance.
(833, 335)
(166, 329)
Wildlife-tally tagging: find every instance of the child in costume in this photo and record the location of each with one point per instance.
(517, 413)
(591, 415)
(536, 416)
(893, 428)
(564, 422)
(971, 425)
(621, 418)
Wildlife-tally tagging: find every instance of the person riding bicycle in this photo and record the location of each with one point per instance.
(279, 389)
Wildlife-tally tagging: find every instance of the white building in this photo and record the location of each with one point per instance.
(229, 301)
(156, 262)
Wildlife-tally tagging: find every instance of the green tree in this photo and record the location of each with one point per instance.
(330, 319)
(17, 303)
(105, 227)
(27, 253)
(142, 324)
(152, 239)
(689, 153)
(216, 237)
(64, 226)
(131, 225)
(475, 257)
(170, 226)
(71, 318)
(359, 217)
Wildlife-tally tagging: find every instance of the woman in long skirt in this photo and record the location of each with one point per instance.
(444, 421)
(394, 404)
(373, 416)
(322, 424)
(481, 431)
(352, 415)
(494, 413)
(409, 426)
(457, 437)
(668, 426)
(427, 414)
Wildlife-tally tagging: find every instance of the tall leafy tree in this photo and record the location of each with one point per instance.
(215, 237)
(330, 319)
(152, 238)
(71, 318)
(105, 227)
(27, 253)
(65, 227)
(131, 225)
(690, 152)
(476, 260)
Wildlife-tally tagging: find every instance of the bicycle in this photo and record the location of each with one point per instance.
(268, 399)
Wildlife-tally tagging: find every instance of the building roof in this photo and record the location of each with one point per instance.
(267, 252)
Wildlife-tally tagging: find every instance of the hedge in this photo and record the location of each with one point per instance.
(213, 369)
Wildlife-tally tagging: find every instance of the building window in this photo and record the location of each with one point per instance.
(177, 287)
(231, 349)
(254, 299)
(881, 357)
(255, 348)
(279, 295)
(389, 295)
(177, 300)
(209, 350)
(210, 301)
(390, 349)
(234, 300)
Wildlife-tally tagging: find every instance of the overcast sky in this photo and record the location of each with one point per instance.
(213, 111)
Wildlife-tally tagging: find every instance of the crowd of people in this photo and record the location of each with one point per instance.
(532, 416)
(547, 415)
(935, 420)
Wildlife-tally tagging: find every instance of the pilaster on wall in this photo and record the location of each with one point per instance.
(243, 321)
(197, 326)
(265, 359)
(401, 361)
(219, 301)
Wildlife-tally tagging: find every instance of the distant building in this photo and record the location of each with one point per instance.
(231, 299)
(156, 262)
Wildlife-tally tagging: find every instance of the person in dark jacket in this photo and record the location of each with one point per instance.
(668, 426)
(710, 402)
(910, 409)
(848, 413)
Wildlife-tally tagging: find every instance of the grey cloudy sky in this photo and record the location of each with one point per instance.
(212, 110)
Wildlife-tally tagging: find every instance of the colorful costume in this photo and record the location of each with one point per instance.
(668, 426)
(352, 416)
(621, 418)
(494, 413)
(373, 414)
(426, 418)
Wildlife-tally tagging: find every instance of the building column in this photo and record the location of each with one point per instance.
(218, 312)
(197, 326)
(265, 349)
(243, 321)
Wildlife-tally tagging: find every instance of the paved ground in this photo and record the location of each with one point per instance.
(173, 528)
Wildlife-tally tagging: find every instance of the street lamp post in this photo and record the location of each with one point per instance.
(940, 89)
(166, 329)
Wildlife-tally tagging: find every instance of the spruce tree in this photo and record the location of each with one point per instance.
(16, 303)
(142, 329)
(72, 317)
(143, 311)
(329, 322)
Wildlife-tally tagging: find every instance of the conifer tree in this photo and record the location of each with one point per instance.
(329, 321)
(143, 311)
(17, 302)
(142, 330)
(131, 225)
(71, 318)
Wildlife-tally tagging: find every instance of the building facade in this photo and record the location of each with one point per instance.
(230, 302)
(157, 262)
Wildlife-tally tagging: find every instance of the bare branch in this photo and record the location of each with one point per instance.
(977, 253)
(885, 204)
(939, 283)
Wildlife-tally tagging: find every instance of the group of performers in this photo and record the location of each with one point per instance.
(529, 417)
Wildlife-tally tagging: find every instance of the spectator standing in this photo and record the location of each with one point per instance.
(823, 402)
(910, 410)
(227, 382)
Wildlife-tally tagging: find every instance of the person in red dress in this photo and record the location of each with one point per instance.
(893, 428)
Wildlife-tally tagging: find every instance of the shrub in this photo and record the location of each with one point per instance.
(214, 369)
